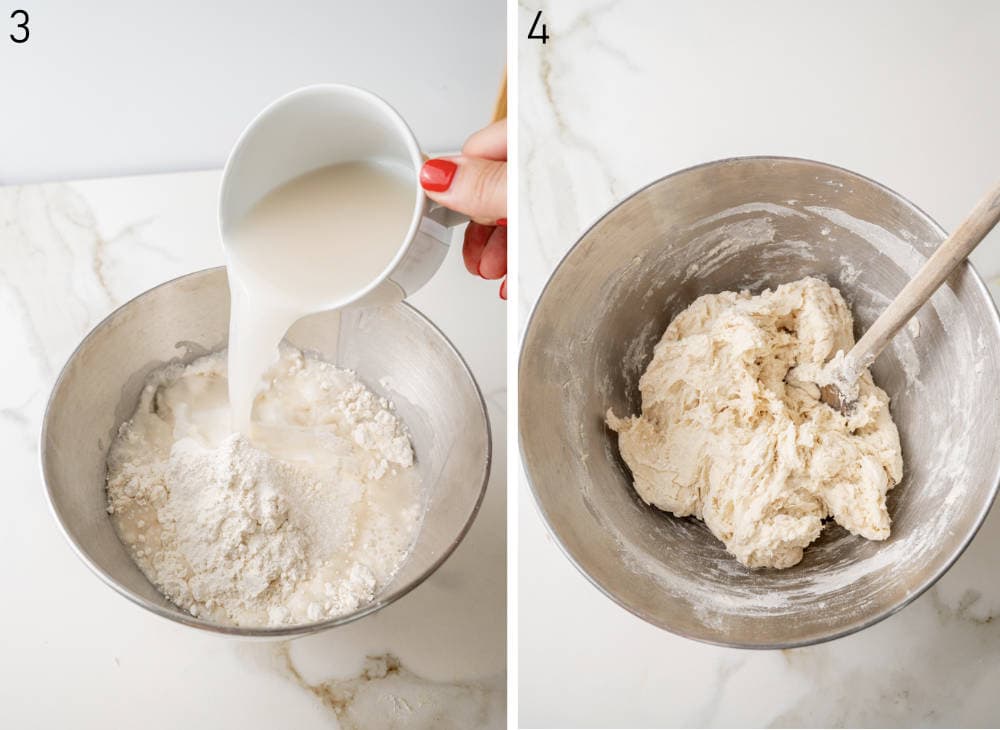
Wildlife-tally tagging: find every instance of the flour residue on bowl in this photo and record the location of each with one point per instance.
(722, 242)
(844, 575)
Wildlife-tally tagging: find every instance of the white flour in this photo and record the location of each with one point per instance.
(308, 521)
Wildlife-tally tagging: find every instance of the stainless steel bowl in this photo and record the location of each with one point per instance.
(395, 350)
(751, 224)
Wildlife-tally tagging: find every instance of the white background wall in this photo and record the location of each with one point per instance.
(117, 87)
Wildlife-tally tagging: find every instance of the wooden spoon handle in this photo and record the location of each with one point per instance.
(955, 249)
(500, 107)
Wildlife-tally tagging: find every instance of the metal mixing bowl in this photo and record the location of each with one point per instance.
(395, 350)
(751, 224)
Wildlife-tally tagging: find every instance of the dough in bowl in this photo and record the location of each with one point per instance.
(733, 432)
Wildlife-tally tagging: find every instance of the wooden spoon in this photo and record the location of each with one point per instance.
(841, 393)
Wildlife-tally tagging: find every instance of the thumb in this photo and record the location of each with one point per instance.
(469, 185)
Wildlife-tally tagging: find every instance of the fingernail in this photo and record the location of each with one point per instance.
(503, 290)
(436, 175)
(501, 221)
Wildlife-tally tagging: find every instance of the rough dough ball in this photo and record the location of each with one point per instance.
(733, 432)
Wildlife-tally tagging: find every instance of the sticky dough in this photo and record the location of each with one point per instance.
(732, 430)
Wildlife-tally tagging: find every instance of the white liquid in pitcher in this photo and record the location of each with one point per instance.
(305, 247)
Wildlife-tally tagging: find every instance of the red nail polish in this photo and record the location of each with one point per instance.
(503, 290)
(436, 175)
(502, 222)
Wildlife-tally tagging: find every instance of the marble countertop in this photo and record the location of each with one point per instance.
(626, 92)
(76, 654)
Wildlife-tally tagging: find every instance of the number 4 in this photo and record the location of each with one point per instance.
(531, 33)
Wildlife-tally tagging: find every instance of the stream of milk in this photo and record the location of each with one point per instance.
(307, 246)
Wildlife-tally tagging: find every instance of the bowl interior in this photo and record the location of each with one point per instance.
(753, 224)
(397, 353)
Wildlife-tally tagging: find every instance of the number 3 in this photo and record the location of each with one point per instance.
(23, 25)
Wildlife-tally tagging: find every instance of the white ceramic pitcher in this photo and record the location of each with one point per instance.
(326, 124)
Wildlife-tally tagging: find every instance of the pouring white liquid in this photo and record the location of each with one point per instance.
(305, 247)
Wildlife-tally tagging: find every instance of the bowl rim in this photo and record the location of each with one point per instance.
(818, 638)
(177, 614)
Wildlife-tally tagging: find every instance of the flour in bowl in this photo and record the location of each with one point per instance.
(733, 432)
(307, 521)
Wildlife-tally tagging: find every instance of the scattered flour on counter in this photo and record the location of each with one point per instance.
(307, 521)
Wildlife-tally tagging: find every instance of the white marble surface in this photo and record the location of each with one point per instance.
(625, 92)
(76, 654)
(129, 87)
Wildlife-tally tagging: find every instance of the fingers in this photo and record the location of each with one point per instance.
(476, 236)
(474, 186)
(489, 143)
(493, 263)
(475, 183)
(485, 250)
